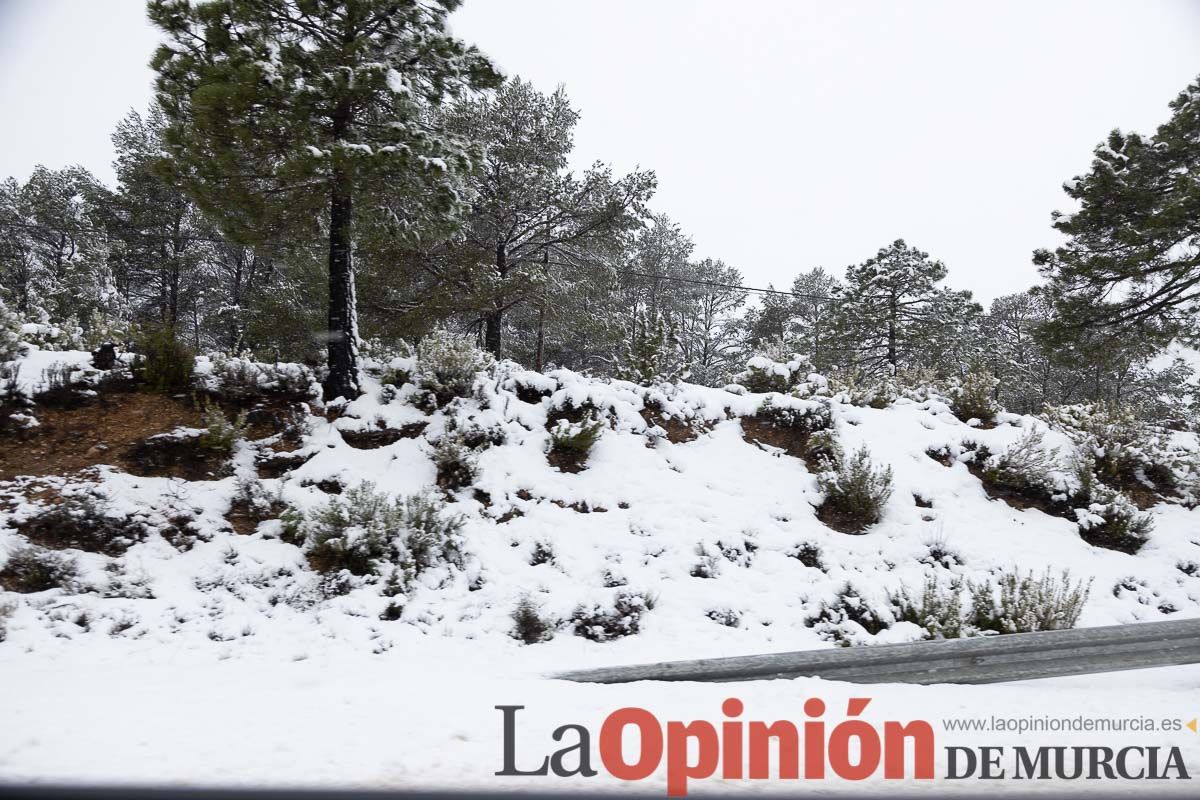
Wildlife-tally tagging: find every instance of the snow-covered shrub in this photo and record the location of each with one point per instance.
(848, 618)
(973, 397)
(1016, 603)
(6, 611)
(855, 492)
(365, 532)
(83, 522)
(164, 363)
(808, 554)
(572, 442)
(47, 335)
(764, 374)
(603, 623)
(1127, 453)
(938, 609)
(860, 390)
(1026, 467)
(708, 564)
(31, 569)
(241, 379)
(823, 447)
(455, 463)
(447, 364)
(1111, 520)
(221, 433)
(543, 553)
(10, 334)
(121, 582)
(728, 617)
(529, 626)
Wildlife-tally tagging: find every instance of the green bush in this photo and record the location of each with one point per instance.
(447, 364)
(1016, 603)
(529, 626)
(603, 623)
(973, 397)
(164, 363)
(571, 443)
(938, 609)
(366, 533)
(220, 433)
(455, 463)
(30, 569)
(855, 492)
(1111, 520)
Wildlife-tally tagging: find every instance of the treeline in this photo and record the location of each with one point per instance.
(269, 203)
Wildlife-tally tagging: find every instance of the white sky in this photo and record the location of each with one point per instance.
(786, 134)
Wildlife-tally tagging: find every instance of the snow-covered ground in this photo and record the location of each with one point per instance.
(237, 671)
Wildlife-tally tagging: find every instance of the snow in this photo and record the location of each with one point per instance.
(237, 671)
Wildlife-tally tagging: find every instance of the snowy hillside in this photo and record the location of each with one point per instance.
(689, 529)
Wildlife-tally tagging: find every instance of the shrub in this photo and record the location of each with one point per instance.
(764, 374)
(219, 432)
(708, 564)
(164, 363)
(529, 626)
(456, 466)
(6, 610)
(938, 609)
(823, 447)
(447, 364)
(82, 522)
(728, 617)
(242, 379)
(847, 618)
(973, 396)
(1026, 465)
(855, 492)
(604, 623)
(1112, 521)
(1127, 453)
(30, 569)
(571, 443)
(808, 554)
(1015, 603)
(10, 334)
(366, 533)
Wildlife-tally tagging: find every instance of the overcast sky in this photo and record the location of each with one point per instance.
(785, 134)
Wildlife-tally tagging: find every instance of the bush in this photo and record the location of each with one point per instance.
(1127, 454)
(1112, 521)
(529, 626)
(855, 492)
(938, 609)
(764, 374)
(447, 364)
(456, 466)
(847, 618)
(605, 623)
(1015, 603)
(1024, 466)
(973, 396)
(82, 522)
(808, 554)
(10, 334)
(30, 569)
(571, 443)
(242, 379)
(220, 433)
(164, 363)
(6, 610)
(366, 533)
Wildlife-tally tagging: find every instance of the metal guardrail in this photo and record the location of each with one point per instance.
(992, 659)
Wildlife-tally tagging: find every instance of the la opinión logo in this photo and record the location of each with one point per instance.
(853, 749)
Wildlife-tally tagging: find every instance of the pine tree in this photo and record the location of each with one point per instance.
(284, 112)
(1131, 263)
(887, 306)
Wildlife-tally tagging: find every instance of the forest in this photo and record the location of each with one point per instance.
(307, 202)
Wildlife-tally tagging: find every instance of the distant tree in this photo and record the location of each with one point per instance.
(706, 322)
(531, 217)
(888, 305)
(284, 113)
(814, 312)
(1131, 262)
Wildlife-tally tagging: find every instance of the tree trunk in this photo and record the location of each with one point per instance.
(342, 334)
(893, 312)
(493, 323)
(540, 356)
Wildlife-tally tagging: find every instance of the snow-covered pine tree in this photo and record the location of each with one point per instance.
(1130, 263)
(888, 305)
(285, 114)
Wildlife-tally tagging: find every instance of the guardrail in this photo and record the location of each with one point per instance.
(992, 659)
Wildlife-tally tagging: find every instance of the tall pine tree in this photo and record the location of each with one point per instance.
(286, 113)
